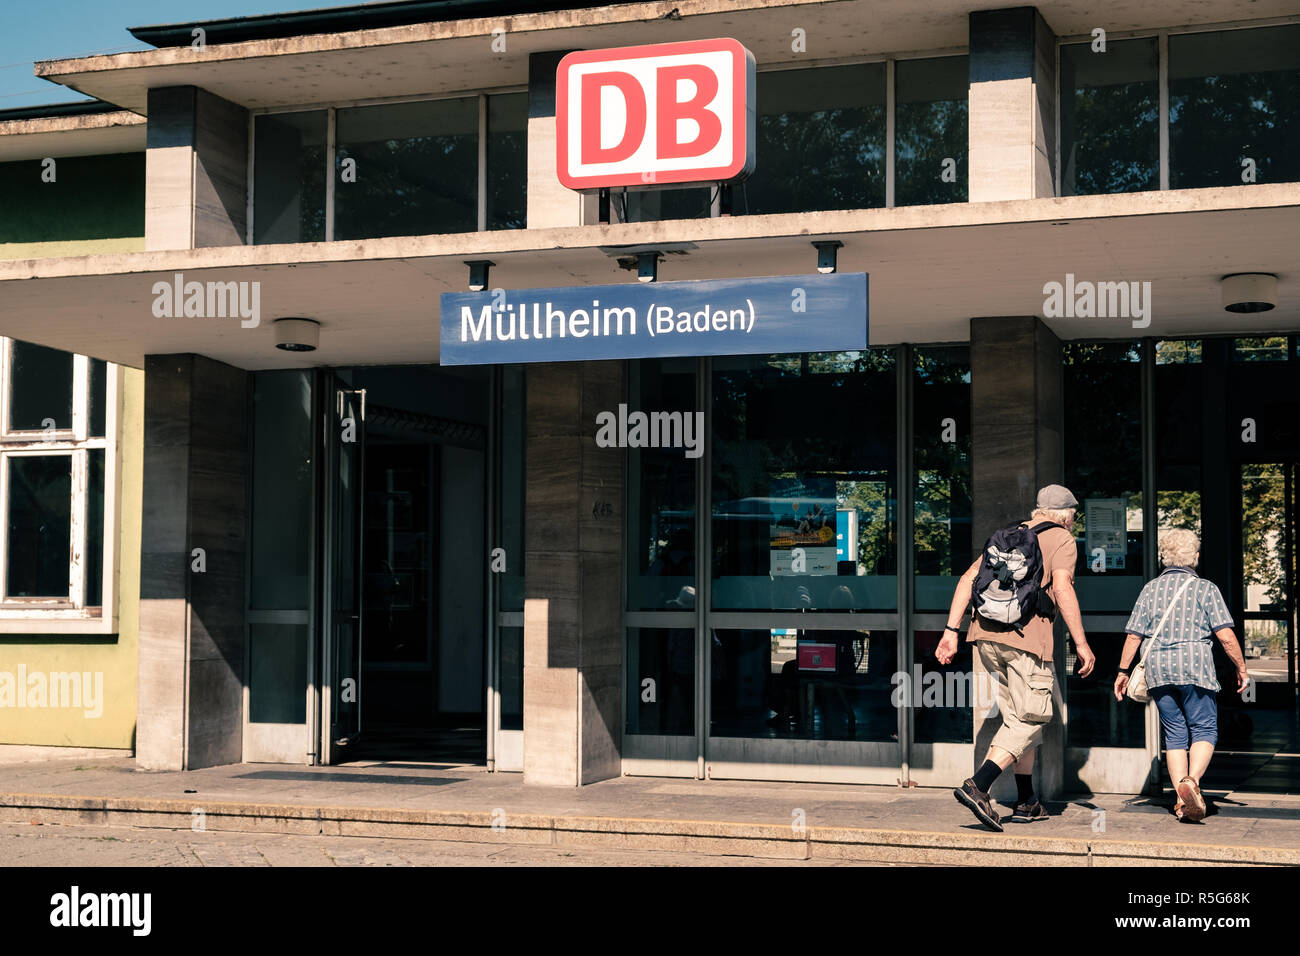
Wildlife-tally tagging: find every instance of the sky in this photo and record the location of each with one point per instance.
(53, 29)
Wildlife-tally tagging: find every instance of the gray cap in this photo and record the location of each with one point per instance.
(1056, 497)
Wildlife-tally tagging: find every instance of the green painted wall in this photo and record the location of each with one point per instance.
(97, 201)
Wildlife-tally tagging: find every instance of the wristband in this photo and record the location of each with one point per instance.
(955, 630)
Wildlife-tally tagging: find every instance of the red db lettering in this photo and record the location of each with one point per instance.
(669, 110)
(593, 85)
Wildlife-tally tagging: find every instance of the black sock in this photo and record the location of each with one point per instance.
(1024, 788)
(986, 774)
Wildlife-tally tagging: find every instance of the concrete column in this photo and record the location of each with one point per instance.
(549, 202)
(192, 622)
(1017, 417)
(1012, 112)
(196, 170)
(573, 544)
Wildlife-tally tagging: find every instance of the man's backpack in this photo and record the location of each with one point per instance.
(1008, 589)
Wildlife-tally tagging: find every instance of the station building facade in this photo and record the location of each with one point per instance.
(361, 551)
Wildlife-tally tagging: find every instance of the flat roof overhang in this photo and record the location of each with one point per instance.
(85, 134)
(448, 57)
(932, 268)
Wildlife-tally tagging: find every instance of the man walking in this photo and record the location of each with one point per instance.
(1020, 658)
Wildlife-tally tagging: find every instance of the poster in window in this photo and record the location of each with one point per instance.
(1107, 530)
(803, 518)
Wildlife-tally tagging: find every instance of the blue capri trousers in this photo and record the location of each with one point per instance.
(1187, 712)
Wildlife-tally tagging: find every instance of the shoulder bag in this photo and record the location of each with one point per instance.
(1137, 682)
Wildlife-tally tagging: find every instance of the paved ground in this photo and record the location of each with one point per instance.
(375, 793)
(22, 844)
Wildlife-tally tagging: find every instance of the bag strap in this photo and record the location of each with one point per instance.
(1169, 610)
(1043, 526)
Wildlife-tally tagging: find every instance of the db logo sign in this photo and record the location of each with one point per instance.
(646, 116)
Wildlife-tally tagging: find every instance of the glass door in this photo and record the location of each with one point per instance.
(1258, 729)
(341, 611)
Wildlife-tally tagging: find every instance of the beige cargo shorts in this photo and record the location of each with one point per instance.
(1027, 695)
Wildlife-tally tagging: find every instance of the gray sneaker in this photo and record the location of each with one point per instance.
(977, 802)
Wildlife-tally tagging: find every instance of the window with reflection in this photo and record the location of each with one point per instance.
(930, 138)
(1179, 431)
(661, 491)
(941, 462)
(1232, 98)
(651, 205)
(289, 177)
(820, 141)
(957, 683)
(807, 683)
(1102, 388)
(1110, 117)
(416, 169)
(661, 680)
(804, 501)
(507, 161)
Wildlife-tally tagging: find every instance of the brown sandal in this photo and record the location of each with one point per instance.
(1189, 794)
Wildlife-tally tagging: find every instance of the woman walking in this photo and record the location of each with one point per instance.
(1180, 663)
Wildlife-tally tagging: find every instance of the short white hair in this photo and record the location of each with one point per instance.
(1059, 516)
(1178, 546)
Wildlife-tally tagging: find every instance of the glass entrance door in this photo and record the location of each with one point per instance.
(1259, 730)
(341, 617)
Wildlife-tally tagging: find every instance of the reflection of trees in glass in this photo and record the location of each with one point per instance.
(926, 134)
(1263, 514)
(311, 186)
(1116, 140)
(409, 187)
(507, 180)
(1216, 121)
(1271, 348)
(1178, 509)
(806, 416)
(827, 159)
(942, 468)
(1178, 351)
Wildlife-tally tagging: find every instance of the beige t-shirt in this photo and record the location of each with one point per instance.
(1058, 550)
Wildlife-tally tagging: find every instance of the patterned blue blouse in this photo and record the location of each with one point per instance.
(1183, 654)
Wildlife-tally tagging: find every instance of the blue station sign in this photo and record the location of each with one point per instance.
(805, 313)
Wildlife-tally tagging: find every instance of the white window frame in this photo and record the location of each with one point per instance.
(64, 615)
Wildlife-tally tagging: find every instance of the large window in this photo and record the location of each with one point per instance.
(1225, 119)
(804, 483)
(1110, 117)
(930, 122)
(821, 140)
(396, 169)
(1233, 99)
(57, 468)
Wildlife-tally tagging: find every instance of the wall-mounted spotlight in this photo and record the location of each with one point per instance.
(478, 274)
(827, 255)
(297, 335)
(647, 266)
(1249, 292)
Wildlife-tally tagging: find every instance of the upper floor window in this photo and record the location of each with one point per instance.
(396, 169)
(820, 141)
(58, 426)
(1225, 119)
(1233, 100)
(1110, 117)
